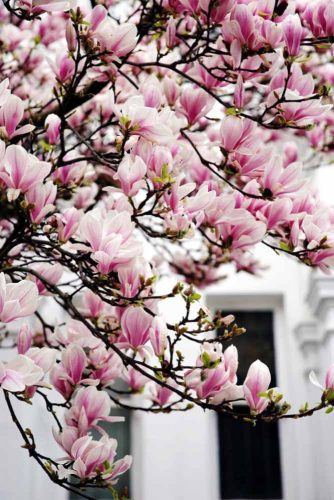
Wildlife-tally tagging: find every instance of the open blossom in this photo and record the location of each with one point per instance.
(106, 366)
(50, 273)
(75, 332)
(194, 104)
(329, 379)
(110, 241)
(134, 379)
(216, 372)
(144, 121)
(22, 171)
(241, 233)
(257, 381)
(73, 363)
(319, 17)
(45, 5)
(92, 305)
(279, 180)
(67, 223)
(44, 357)
(152, 93)
(40, 200)
(89, 407)
(152, 127)
(237, 134)
(207, 382)
(19, 373)
(162, 395)
(91, 457)
(118, 39)
(11, 114)
(17, 300)
(132, 274)
(130, 173)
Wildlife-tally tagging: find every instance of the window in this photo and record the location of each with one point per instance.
(121, 432)
(249, 457)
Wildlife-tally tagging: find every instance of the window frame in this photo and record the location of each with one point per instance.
(257, 302)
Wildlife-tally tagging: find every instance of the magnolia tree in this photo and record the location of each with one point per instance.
(138, 139)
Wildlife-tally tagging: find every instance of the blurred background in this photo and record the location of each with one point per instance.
(289, 315)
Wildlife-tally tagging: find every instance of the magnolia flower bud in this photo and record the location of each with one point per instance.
(24, 339)
(158, 336)
(71, 36)
(52, 128)
(257, 381)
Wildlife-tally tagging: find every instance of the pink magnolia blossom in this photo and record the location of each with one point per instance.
(107, 366)
(89, 407)
(110, 241)
(50, 273)
(73, 361)
(319, 17)
(207, 382)
(92, 457)
(278, 180)
(97, 15)
(71, 38)
(17, 300)
(152, 93)
(162, 395)
(45, 5)
(158, 335)
(130, 173)
(275, 212)
(329, 380)
(92, 305)
(237, 135)
(241, 233)
(118, 39)
(19, 373)
(292, 31)
(44, 357)
(217, 370)
(171, 90)
(217, 11)
(194, 104)
(257, 381)
(11, 113)
(40, 200)
(135, 379)
(24, 338)
(64, 67)
(75, 332)
(241, 27)
(22, 171)
(132, 274)
(144, 121)
(52, 127)
(135, 324)
(67, 223)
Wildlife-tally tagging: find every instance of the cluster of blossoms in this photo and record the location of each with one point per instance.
(139, 139)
